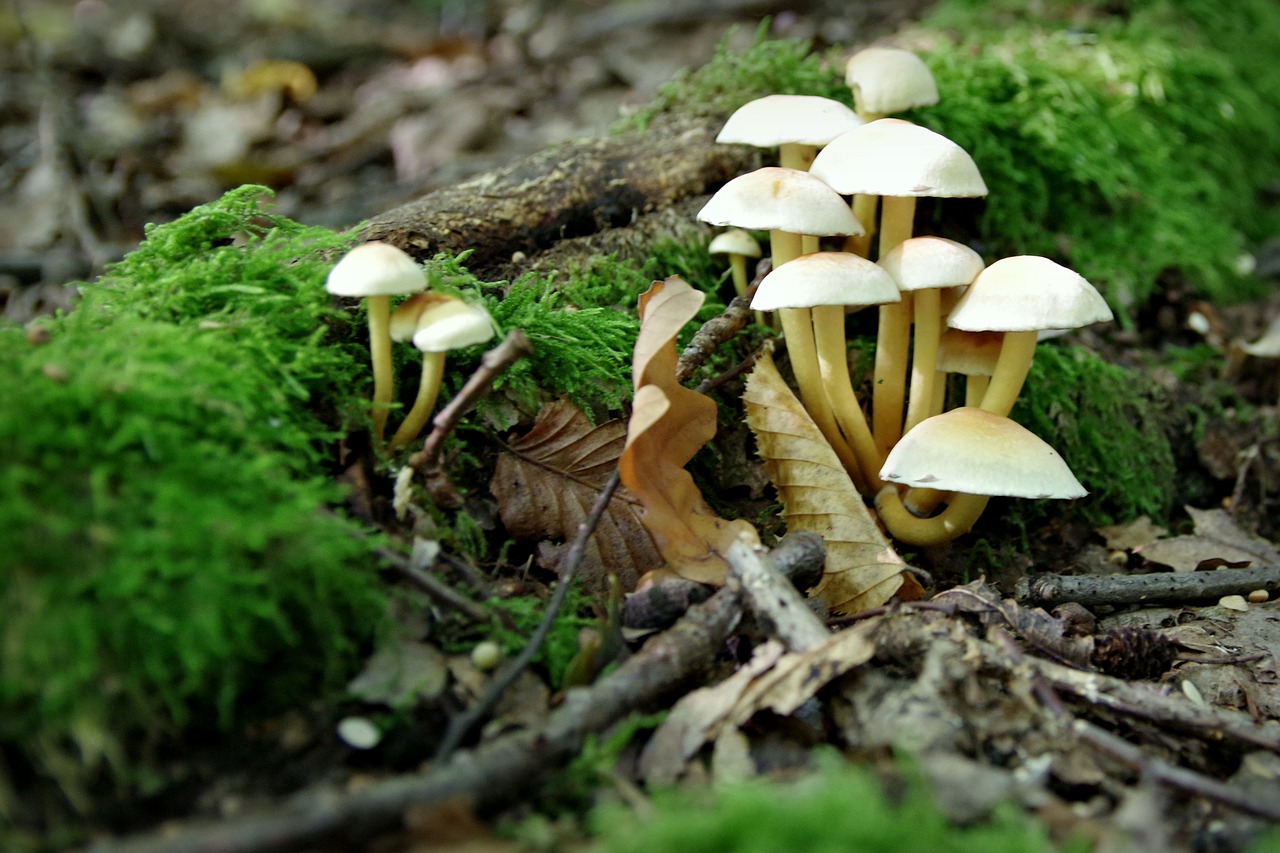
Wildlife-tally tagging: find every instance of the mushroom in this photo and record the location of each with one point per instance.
(436, 323)
(377, 271)
(796, 124)
(923, 266)
(788, 203)
(1021, 296)
(826, 282)
(975, 454)
(738, 245)
(898, 161)
(884, 80)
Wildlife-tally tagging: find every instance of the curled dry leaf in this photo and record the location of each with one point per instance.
(863, 570)
(547, 480)
(669, 424)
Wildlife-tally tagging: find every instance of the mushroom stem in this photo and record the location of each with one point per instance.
(924, 358)
(1010, 372)
(894, 333)
(864, 210)
(425, 403)
(975, 385)
(958, 518)
(738, 268)
(833, 365)
(796, 155)
(797, 330)
(379, 311)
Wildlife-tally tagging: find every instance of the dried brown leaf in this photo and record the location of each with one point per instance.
(1217, 541)
(669, 424)
(863, 570)
(547, 480)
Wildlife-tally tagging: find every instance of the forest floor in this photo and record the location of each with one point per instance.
(115, 115)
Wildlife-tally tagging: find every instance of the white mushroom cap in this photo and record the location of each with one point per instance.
(893, 157)
(734, 242)
(888, 80)
(825, 278)
(404, 319)
(783, 119)
(774, 198)
(453, 325)
(375, 269)
(1025, 293)
(976, 452)
(921, 263)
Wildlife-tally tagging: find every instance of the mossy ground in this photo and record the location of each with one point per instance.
(172, 558)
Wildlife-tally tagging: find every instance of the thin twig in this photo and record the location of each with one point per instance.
(514, 347)
(462, 724)
(440, 592)
(1087, 590)
(713, 333)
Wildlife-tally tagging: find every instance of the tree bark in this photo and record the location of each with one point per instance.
(571, 190)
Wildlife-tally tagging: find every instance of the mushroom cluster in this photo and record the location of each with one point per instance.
(434, 322)
(929, 463)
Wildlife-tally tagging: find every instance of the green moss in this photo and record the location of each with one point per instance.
(841, 807)
(168, 555)
(1103, 421)
(1121, 144)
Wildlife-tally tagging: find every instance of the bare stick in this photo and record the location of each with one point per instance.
(713, 333)
(1088, 590)
(773, 600)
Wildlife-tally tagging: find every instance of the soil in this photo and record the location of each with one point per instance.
(114, 115)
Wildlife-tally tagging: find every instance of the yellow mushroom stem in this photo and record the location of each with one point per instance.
(1010, 372)
(927, 306)
(425, 403)
(864, 210)
(893, 336)
(959, 516)
(833, 365)
(738, 268)
(797, 330)
(379, 311)
(796, 155)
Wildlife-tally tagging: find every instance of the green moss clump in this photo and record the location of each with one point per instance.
(841, 807)
(167, 552)
(1125, 145)
(1102, 420)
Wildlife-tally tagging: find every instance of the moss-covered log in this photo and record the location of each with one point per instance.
(571, 190)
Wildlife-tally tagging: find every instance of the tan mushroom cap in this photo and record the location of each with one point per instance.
(375, 269)
(976, 452)
(888, 80)
(774, 198)
(892, 157)
(825, 278)
(969, 353)
(734, 242)
(1025, 293)
(920, 263)
(786, 119)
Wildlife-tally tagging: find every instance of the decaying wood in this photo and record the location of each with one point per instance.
(571, 190)
(1160, 587)
(498, 771)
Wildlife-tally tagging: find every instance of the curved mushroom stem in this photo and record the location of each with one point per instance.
(894, 334)
(927, 305)
(428, 390)
(958, 518)
(738, 267)
(833, 365)
(1016, 352)
(379, 311)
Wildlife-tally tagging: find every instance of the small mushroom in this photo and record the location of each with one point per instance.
(375, 272)
(436, 324)
(738, 245)
(976, 455)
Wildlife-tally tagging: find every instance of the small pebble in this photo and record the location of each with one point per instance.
(55, 372)
(486, 655)
(1258, 596)
(359, 733)
(1234, 602)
